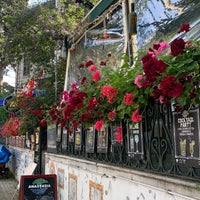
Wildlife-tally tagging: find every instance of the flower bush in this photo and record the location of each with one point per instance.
(27, 110)
(171, 71)
(12, 127)
(104, 96)
(167, 73)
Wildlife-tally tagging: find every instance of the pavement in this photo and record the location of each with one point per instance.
(8, 188)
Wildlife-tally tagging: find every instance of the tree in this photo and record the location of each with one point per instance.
(36, 32)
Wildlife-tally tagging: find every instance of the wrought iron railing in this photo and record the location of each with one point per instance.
(154, 146)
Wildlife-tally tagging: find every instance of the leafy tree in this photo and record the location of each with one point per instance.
(37, 34)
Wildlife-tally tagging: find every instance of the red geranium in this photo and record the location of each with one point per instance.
(128, 98)
(177, 46)
(109, 92)
(96, 76)
(170, 88)
(98, 125)
(136, 117)
(111, 115)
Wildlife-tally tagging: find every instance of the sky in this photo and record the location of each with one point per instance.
(33, 2)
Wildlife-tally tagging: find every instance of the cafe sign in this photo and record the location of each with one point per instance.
(187, 137)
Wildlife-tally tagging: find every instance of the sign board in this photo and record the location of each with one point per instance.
(135, 141)
(38, 187)
(51, 138)
(187, 137)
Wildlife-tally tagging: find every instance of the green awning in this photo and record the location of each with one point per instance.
(99, 9)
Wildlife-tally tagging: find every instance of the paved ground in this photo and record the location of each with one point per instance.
(8, 189)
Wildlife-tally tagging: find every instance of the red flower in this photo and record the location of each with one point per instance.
(39, 113)
(88, 63)
(102, 63)
(109, 54)
(147, 57)
(136, 117)
(81, 65)
(92, 103)
(75, 125)
(109, 92)
(43, 122)
(83, 80)
(96, 76)
(170, 88)
(111, 115)
(184, 27)
(92, 68)
(177, 46)
(118, 134)
(98, 125)
(64, 96)
(128, 98)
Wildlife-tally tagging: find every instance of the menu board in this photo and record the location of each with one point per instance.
(135, 141)
(187, 137)
(38, 187)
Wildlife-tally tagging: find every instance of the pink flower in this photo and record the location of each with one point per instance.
(160, 47)
(128, 98)
(92, 68)
(74, 85)
(96, 76)
(138, 81)
(111, 115)
(161, 99)
(136, 117)
(98, 125)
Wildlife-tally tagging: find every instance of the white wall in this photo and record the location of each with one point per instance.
(20, 160)
(115, 183)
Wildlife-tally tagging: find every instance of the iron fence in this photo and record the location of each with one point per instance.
(153, 145)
